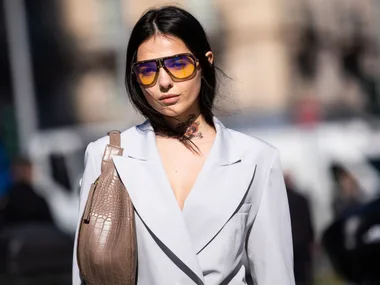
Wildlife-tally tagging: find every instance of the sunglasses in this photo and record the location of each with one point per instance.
(180, 67)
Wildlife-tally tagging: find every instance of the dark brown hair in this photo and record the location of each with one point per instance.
(171, 21)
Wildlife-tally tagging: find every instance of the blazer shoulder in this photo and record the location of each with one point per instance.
(96, 147)
(251, 145)
(255, 150)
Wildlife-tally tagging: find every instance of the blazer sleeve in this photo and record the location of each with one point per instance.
(269, 243)
(89, 176)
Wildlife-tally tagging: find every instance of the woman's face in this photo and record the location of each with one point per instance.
(170, 98)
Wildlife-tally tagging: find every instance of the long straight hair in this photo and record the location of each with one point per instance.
(171, 21)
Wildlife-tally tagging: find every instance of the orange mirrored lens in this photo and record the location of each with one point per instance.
(146, 72)
(181, 66)
(147, 79)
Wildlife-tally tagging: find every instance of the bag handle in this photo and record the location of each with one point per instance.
(112, 149)
(115, 139)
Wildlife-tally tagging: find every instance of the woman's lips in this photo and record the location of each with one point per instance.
(169, 99)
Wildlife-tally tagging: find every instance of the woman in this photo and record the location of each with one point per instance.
(205, 196)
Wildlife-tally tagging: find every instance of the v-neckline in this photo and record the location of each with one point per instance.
(199, 177)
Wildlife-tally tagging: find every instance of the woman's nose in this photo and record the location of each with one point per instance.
(164, 80)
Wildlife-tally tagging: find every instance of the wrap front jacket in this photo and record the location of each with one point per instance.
(237, 210)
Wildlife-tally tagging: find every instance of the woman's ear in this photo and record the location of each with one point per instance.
(210, 57)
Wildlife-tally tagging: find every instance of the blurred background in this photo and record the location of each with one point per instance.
(305, 77)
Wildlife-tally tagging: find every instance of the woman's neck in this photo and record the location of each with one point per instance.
(193, 127)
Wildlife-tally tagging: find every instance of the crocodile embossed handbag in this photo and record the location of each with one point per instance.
(107, 248)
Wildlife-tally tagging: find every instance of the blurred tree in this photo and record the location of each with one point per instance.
(8, 131)
(52, 63)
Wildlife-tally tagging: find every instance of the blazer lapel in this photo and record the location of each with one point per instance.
(154, 202)
(219, 190)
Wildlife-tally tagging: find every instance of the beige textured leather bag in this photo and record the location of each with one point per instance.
(107, 248)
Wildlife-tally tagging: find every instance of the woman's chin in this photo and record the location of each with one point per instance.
(172, 111)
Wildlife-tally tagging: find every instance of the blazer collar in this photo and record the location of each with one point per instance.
(217, 193)
(143, 145)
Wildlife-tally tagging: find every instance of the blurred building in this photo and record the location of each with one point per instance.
(278, 54)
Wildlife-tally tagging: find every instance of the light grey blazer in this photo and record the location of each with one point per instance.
(237, 207)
